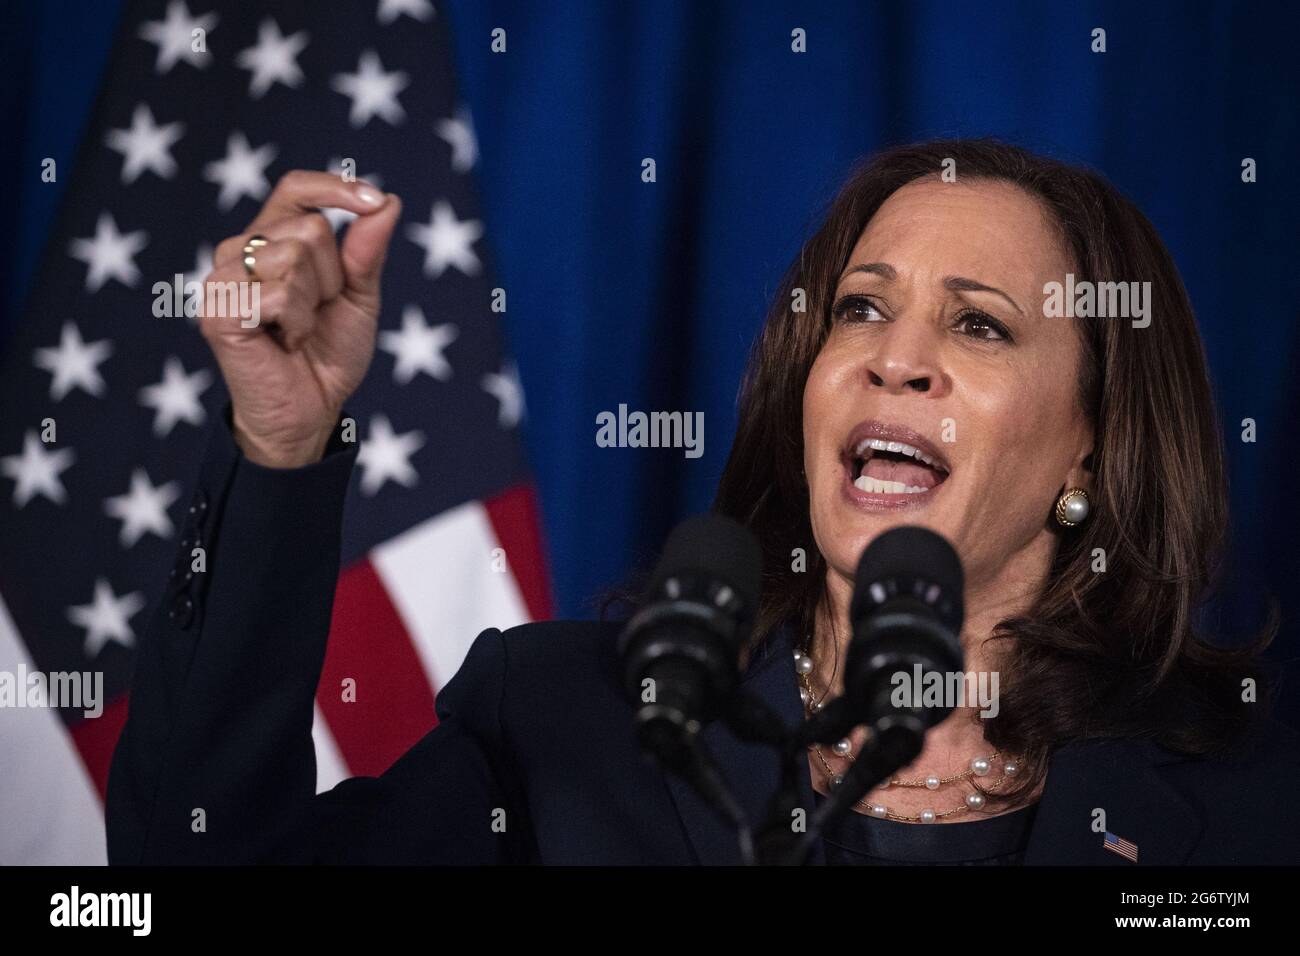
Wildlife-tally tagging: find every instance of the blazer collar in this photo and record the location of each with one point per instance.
(1123, 779)
(1117, 786)
(752, 770)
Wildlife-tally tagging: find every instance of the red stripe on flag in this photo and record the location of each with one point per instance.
(394, 700)
(96, 739)
(514, 517)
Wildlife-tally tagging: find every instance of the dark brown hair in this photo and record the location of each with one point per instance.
(1099, 654)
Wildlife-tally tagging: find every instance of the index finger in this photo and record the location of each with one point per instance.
(303, 190)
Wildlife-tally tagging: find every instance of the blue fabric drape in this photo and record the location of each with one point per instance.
(649, 294)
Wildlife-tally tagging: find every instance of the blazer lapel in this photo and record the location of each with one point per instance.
(752, 770)
(1124, 780)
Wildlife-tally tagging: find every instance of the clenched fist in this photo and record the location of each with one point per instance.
(290, 372)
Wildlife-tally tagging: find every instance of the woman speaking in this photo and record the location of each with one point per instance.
(920, 365)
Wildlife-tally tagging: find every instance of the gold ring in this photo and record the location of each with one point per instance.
(250, 261)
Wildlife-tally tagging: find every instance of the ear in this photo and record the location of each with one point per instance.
(1083, 469)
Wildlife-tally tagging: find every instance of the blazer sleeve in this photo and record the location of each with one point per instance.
(216, 763)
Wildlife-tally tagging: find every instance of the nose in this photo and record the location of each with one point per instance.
(906, 360)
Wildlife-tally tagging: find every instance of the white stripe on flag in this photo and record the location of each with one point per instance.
(440, 577)
(49, 808)
(330, 765)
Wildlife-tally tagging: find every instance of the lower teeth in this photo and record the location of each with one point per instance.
(881, 487)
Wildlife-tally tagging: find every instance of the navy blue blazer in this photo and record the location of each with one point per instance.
(534, 731)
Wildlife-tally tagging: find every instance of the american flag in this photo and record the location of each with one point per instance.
(203, 106)
(1120, 846)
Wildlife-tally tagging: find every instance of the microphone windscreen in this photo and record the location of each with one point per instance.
(908, 551)
(716, 547)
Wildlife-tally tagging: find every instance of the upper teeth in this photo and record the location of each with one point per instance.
(897, 447)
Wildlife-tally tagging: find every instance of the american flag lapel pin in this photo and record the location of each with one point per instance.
(1117, 844)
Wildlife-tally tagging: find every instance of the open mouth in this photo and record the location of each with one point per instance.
(879, 465)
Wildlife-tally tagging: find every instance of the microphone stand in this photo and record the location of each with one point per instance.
(752, 720)
(690, 759)
(894, 742)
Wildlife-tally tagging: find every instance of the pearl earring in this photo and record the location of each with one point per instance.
(1072, 508)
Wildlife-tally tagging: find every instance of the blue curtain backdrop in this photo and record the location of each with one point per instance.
(622, 292)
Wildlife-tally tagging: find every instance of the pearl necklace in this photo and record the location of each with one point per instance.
(979, 766)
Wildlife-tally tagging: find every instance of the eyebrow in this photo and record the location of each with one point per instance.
(951, 283)
(882, 269)
(960, 284)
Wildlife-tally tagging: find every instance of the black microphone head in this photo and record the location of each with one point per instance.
(714, 547)
(916, 559)
(906, 616)
(680, 652)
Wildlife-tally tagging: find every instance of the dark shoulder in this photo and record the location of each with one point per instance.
(1244, 796)
(570, 654)
(540, 668)
(1266, 756)
(560, 639)
(562, 686)
(540, 652)
(1268, 747)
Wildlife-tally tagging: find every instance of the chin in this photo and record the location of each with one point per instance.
(853, 518)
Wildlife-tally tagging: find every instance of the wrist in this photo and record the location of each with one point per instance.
(282, 454)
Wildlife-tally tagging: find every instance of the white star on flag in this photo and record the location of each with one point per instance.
(242, 172)
(274, 59)
(36, 471)
(446, 241)
(145, 146)
(504, 386)
(106, 617)
(176, 397)
(386, 456)
(74, 363)
(458, 131)
(175, 37)
(143, 509)
(338, 218)
(110, 254)
(390, 10)
(418, 347)
(372, 91)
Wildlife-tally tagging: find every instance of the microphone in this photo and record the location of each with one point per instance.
(906, 615)
(681, 651)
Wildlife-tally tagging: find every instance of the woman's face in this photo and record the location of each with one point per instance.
(939, 348)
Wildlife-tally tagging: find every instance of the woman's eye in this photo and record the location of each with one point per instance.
(856, 308)
(979, 325)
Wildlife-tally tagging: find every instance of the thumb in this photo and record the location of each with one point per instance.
(365, 247)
